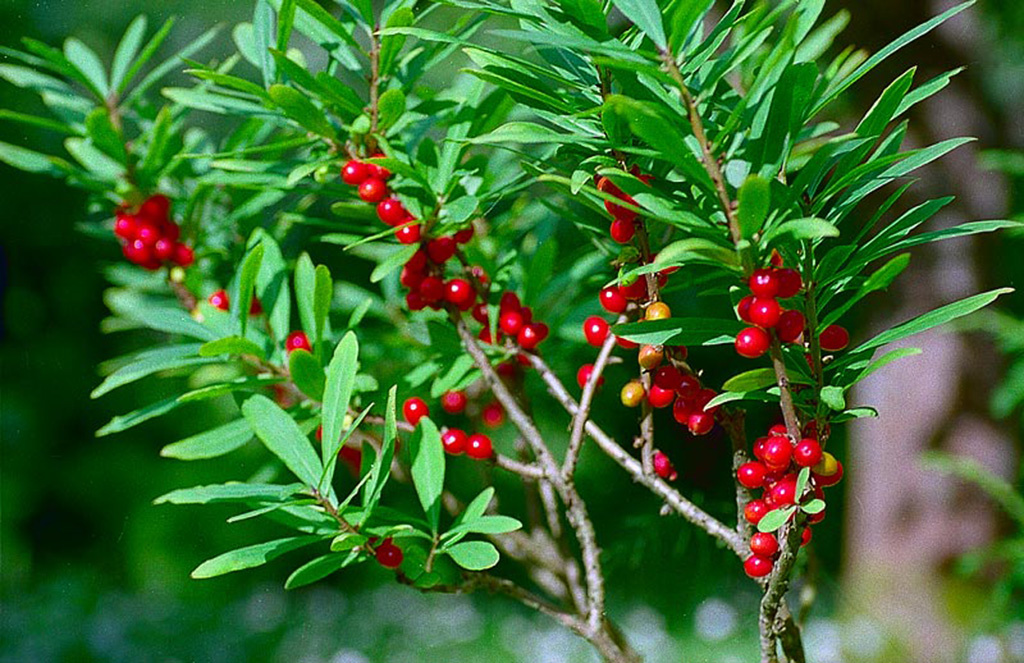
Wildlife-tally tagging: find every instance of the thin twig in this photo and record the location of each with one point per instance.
(579, 420)
(785, 393)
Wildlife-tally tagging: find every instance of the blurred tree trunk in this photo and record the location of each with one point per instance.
(905, 523)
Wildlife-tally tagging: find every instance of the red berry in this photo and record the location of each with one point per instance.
(509, 302)
(743, 308)
(148, 233)
(530, 336)
(700, 423)
(757, 566)
(454, 441)
(752, 342)
(183, 255)
(754, 511)
(169, 230)
(622, 230)
(464, 236)
(440, 249)
(688, 386)
(125, 226)
(758, 447)
(595, 329)
(791, 324)
(255, 306)
(411, 279)
(834, 338)
(625, 343)
(388, 555)
(805, 536)
(807, 452)
(163, 249)
(510, 321)
(659, 398)
(354, 172)
(493, 415)
(418, 261)
(460, 293)
(668, 376)
(480, 313)
(415, 409)
(408, 234)
(789, 282)
(777, 452)
(636, 290)
(702, 398)
(219, 300)
(414, 301)
(764, 283)
(373, 190)
(777, 429)
(138, 252)
(765, 312)
(663, 467)
(391, 211)
(584, 373)
(479, 447)
(373, 170)
(832, 479)
(764, 544)
(751, 475)
(453, 402)
(155, 208)
(297, 340)
(431, 289)
(612, 300)
(783, 492)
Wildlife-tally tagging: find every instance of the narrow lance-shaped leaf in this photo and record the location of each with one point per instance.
(380, 470)
(428, 469)
(341, 379)
(246, 282)
(283, 437)
(126, 51)
(212, 443)
(251, 556)
(646, 15)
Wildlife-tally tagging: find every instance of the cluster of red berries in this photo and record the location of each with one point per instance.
(623, 226)
(149, 237)
(515, 321)
(454, 401)
(455, 441)
(762, 309)
(219, 300)
(779, 460)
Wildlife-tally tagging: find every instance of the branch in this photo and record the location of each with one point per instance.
(785, 394)
(575, 509)
(586, 400)
(773, 601)
(672, 497)
(734, 423)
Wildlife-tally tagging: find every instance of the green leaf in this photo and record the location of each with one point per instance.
(341, 379)
(390, 107)
(801, 481)
(31, 161)
(380, 470)
(833, 397)
(998, 489)
(227, 493)
(485, 525)
(307, 374)
(147, 53)
(316, 569)
(283, 437)
(880, 279)
(251, 556)
(125, 421)
(806, 228)
(646, 15)
(391, 44)
(679, 331)
(305, 284)
(285, 23)
(813, 506)
(755, 198)
(476, 507)
(323, 293)
(148, 363)
(474, 555)
(212, 443)
(348, 541)
(775, 519)
(393, 261)
(886, 359)
(246, 282)
(752, 380)
(126, 51)
(85, 60)
(519, 132)
(428, 469)
(298, 107)
(939, 316)
(231, 345)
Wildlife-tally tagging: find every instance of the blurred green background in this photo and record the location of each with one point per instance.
(90, 570)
